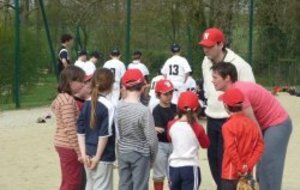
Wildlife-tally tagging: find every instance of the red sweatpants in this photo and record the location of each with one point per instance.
(71, 169)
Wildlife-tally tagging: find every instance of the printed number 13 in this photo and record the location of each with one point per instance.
(173, 69)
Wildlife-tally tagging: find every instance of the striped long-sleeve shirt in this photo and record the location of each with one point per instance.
(135, 126)
(66, 111)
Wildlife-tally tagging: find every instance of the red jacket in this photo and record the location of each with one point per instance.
(243, 145)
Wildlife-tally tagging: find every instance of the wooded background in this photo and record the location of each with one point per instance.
(155, 24)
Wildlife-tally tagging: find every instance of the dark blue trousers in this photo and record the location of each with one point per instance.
(215, 149)
(184, 178)
(229, 184)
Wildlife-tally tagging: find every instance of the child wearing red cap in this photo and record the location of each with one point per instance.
(137, 141)
(186, 134)
(243, 143)
(164, 112)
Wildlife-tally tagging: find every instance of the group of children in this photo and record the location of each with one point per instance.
(165, 138)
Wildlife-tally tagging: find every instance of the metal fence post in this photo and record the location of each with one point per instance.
(251, 7)
(49, 38)
(17, 54)
(128, 32)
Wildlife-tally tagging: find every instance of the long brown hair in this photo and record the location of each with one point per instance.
(189, 115)
(69, 74)
(102, 82)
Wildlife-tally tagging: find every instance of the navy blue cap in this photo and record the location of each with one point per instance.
(115, 52)
(82, 52)
(95, 54)
(137, 52)
(175, 48)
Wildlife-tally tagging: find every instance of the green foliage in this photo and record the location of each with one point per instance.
(6, 63)
(42, 93)
(101, 25)
(33, 59)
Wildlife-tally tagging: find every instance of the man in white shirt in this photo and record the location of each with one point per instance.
(213, 44)
(176, 69)
(118, 68)
(82, 58)
(90, 66)
(137, 64)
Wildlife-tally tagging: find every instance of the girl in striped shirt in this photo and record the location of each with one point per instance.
(65, 139)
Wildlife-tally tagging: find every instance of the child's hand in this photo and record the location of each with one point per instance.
(159, 130)
(243, 171)
(87, 161)
(195, 115)
(80, 159)
(93, 163)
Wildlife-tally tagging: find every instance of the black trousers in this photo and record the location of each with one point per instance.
(215, 150)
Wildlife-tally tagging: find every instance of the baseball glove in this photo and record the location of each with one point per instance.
(247, 183)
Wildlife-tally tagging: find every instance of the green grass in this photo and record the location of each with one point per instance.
(39, 94)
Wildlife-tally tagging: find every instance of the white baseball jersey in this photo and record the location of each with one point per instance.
(79, 63)
(88, 67)
(176, 68)
(190, 84)
(136, 64)
(118, 68)
(153, 100)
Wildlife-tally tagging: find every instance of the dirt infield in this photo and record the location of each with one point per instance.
(28, 160)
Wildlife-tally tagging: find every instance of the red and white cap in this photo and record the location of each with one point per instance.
(132, 77)
(87, 77)
(163, 86)
(232, 97)
(188, 100)
(211, 37)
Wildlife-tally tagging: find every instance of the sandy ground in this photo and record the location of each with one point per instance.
(28, 160)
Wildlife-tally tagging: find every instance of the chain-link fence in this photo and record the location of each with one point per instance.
(275, 53)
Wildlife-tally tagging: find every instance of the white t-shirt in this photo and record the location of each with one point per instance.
(117, 67)
(88, 67)
(185, 145)
(176, 68)
(136, 64)
(190, 84)
(215, 108)
(79, 63)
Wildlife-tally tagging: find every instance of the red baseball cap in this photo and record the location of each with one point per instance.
(87, 77)
(132, 77)
(163, 86)
(232, 97)
(211, 36)
(187, 100)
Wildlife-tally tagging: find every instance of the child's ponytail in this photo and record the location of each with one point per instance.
(102, 83)
(190, 116)
(94, 99)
